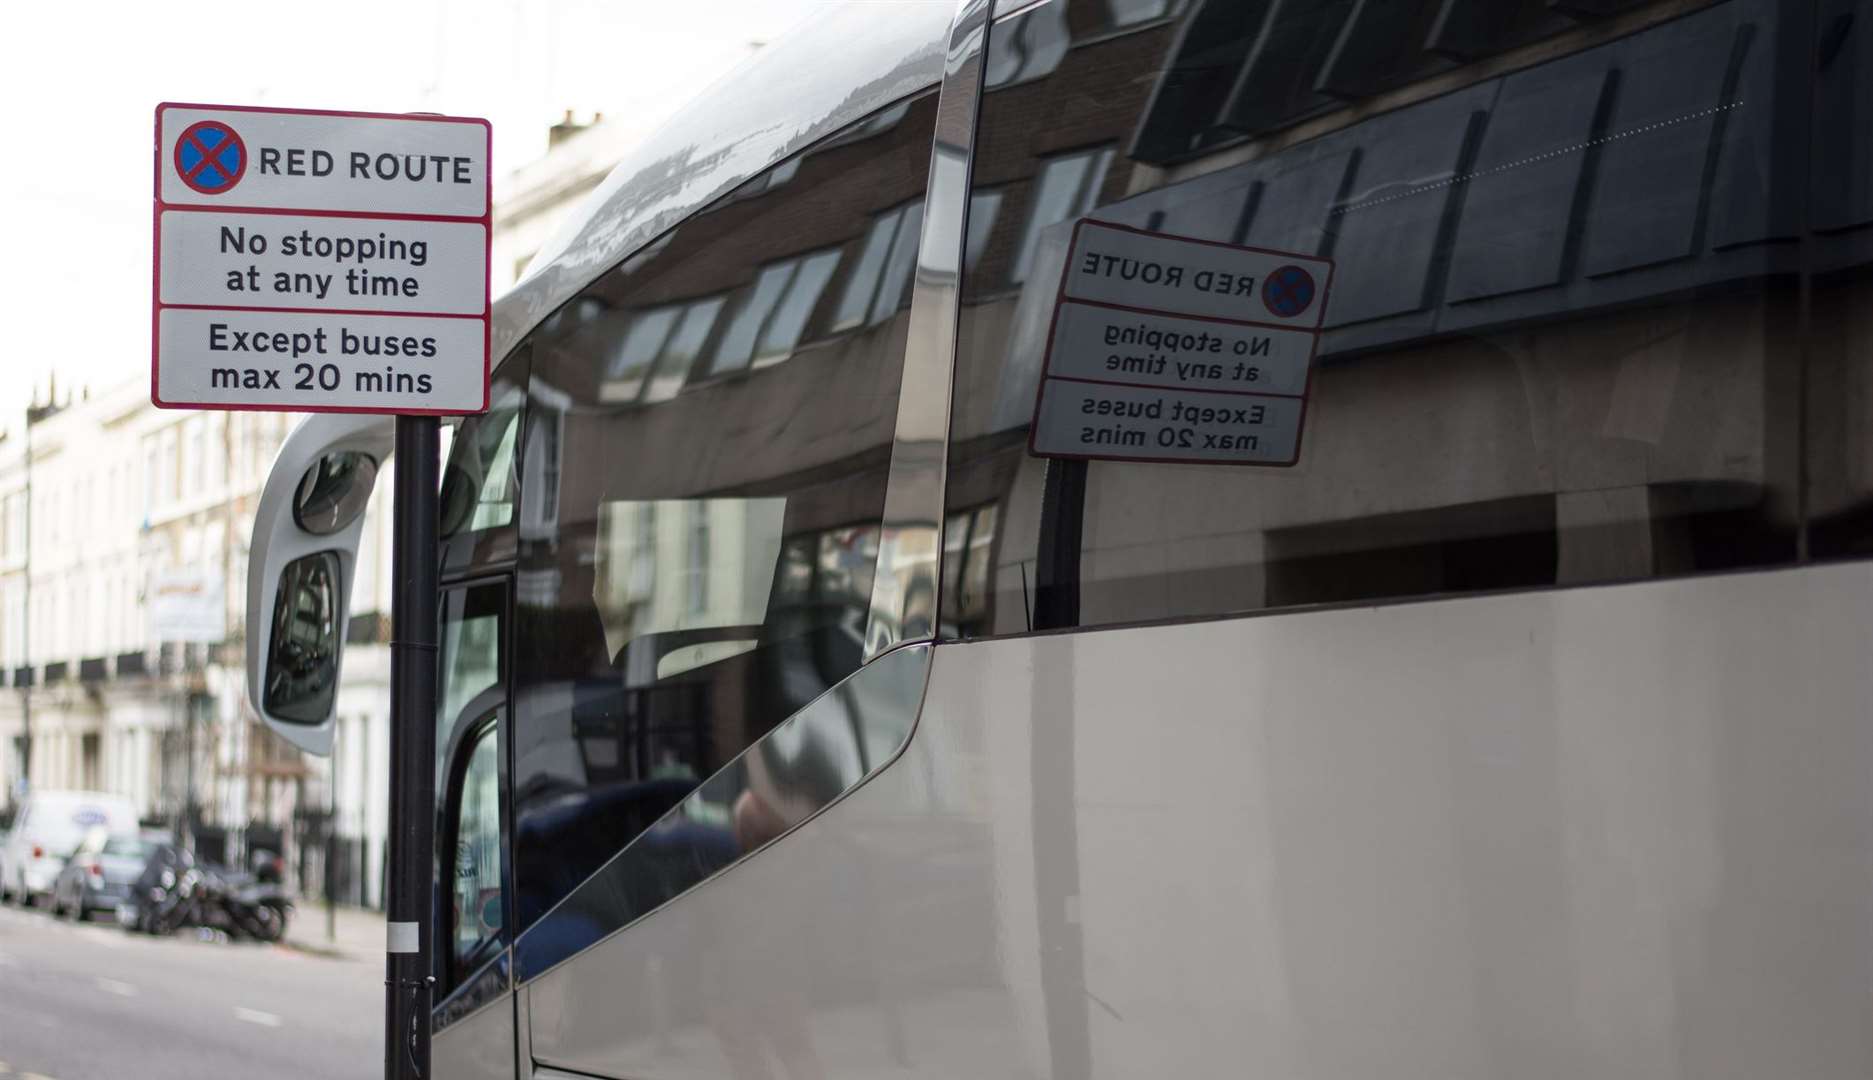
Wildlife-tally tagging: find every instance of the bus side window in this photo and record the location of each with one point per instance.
(1551, 349)
(470, 708)
(480, 479)
(472, 892)
(708, 435)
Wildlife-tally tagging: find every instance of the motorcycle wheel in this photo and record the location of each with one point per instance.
(269, 923)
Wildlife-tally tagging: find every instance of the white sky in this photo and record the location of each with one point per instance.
(79, 84)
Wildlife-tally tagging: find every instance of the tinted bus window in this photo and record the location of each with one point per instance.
(1839, 436)
(479, 487)
(708, 432)
(1563, 340)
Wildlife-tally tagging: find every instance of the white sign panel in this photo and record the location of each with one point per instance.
(1120, 345)
(1167, 348)
(307, 159)
(187, 605)
(1132, 423)
(228, 358)
(1116, 264)
(328, 263)
(320, 261)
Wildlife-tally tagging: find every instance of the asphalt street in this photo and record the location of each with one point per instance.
(91, 1002)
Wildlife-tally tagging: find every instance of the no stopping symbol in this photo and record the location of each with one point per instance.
(1288, 291)
(210, 157)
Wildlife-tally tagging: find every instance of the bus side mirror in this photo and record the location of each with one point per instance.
(300, 570)
(334, 491)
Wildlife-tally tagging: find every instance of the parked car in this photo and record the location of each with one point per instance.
(100, 873)
(50, 828)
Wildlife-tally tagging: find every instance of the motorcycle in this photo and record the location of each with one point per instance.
(254, 903)
(175, 892)
(161, 897)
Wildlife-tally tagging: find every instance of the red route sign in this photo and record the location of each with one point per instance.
(313, 260)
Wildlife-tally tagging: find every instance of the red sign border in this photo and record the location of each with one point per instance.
(1053, 322)
(159, 207)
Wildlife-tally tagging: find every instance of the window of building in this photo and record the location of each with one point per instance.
(15, 626)
(542, 464)
(1065, 188)
(1127, 12)
(657, 636)
(215, 452)
(152, 473)
(879, 283)
(1580, 365)
(894, 283)
(1029, 46)
(16, 526)
(696, 559)
(194, 459)
(770, 319)
(736, 349)
(636, 350)
(238, 433)
(985, 207)
(166, 466)
(680, 351)
(90, 757)
(787, 324)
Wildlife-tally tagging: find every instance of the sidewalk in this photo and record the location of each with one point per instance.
(358, 932)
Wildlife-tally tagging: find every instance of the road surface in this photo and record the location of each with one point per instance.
(92, 1002)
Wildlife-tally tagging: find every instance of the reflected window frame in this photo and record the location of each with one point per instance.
(457, 966)
(1086, 185)
(886, 263)
(1039, 41)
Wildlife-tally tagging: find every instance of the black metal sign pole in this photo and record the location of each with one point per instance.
(413, 628)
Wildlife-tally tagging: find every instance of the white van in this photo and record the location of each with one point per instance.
(49, 828)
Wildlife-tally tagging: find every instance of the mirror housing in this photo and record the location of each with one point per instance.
(301, 565)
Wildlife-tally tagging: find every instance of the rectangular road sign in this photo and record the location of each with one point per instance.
(320, 261)
(1178, 349)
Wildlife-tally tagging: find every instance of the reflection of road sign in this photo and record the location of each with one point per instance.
(1288, 291)
(186, 605)
(211, 157)
(1178, 349)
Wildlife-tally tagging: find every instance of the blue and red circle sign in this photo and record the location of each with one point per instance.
(1288, 291)
(210, 157)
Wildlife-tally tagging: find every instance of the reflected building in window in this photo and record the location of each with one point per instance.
(1558, 345)
(716, 419)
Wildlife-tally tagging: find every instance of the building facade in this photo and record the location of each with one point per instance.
(111, 508)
